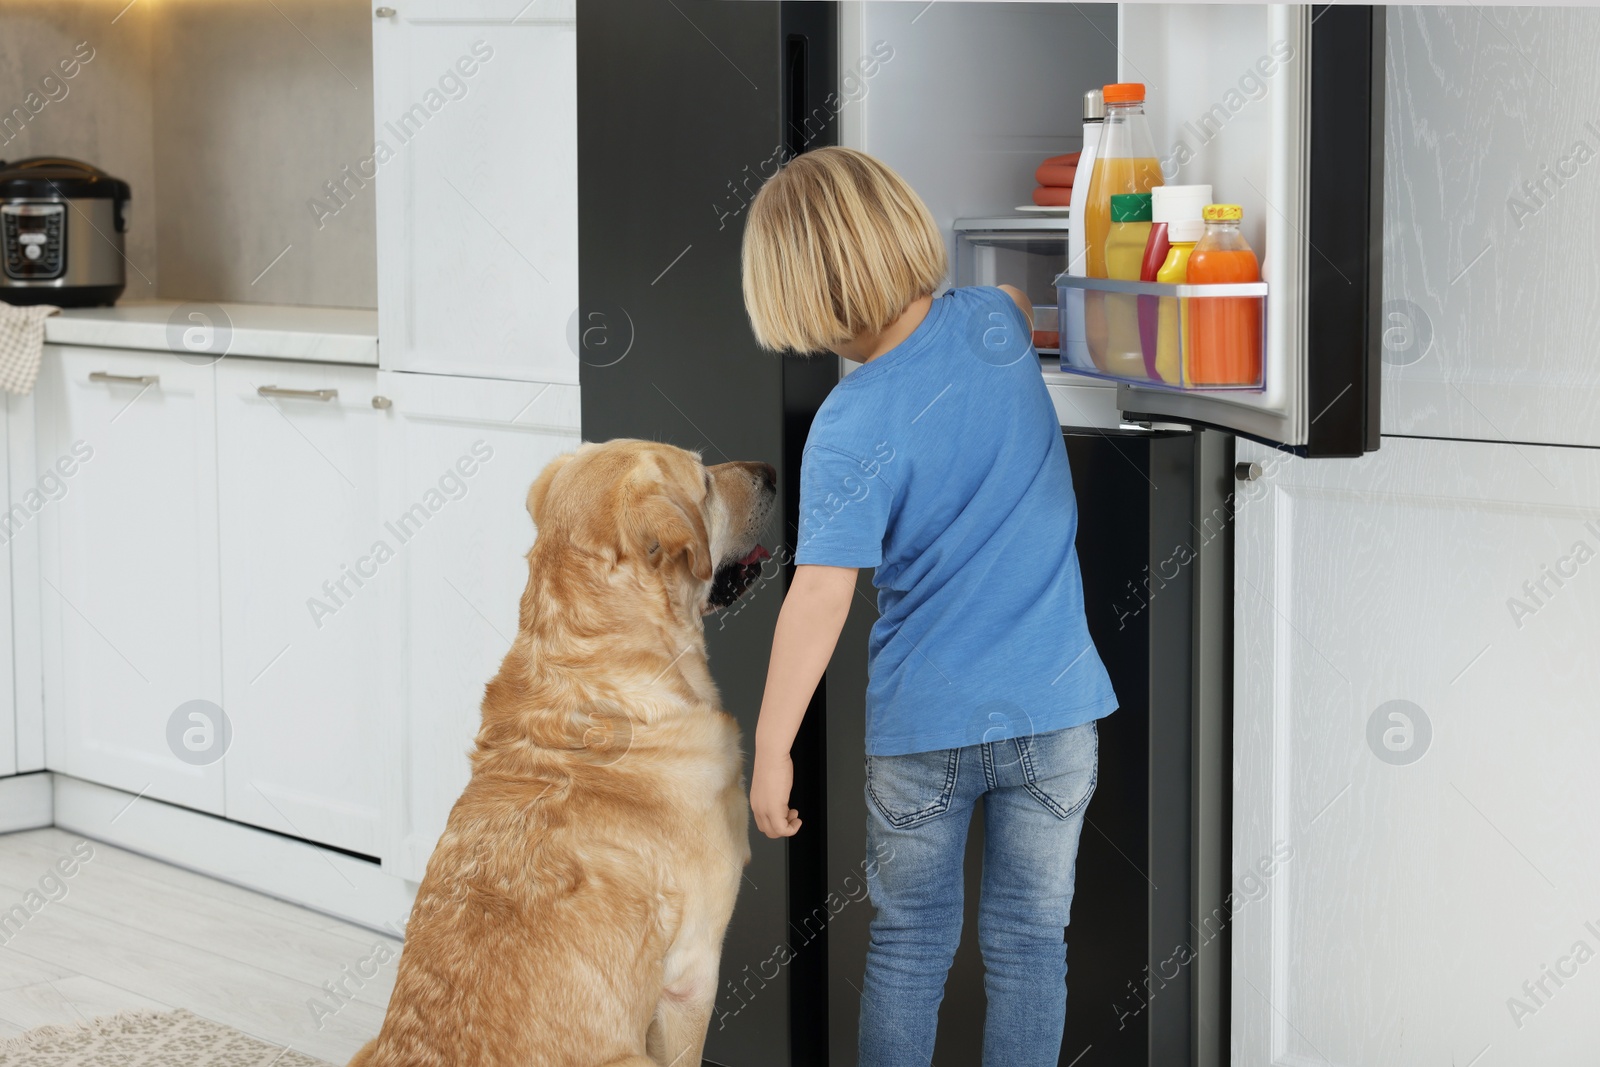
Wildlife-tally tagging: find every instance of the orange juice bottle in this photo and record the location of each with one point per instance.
(1224, 332)
(1125, 162)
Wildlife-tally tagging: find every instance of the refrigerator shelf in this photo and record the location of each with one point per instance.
(1142, 332)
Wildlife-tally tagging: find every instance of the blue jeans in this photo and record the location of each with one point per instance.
(1035, 790)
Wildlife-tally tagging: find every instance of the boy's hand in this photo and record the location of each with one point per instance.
(771, 780)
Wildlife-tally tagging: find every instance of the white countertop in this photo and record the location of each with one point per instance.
(318, 335)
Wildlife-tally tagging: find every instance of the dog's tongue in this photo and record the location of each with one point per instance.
(756, 555)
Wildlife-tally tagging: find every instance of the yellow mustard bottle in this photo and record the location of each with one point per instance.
(1172, 318)
(1124, 254)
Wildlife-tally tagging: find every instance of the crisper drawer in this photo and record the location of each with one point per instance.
(1186, 338)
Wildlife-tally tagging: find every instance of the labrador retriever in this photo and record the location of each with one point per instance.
(574, 909)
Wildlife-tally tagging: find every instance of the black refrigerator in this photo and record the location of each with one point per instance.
(685, 106)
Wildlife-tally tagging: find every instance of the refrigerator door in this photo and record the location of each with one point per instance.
(687, 107)
(1280, 109)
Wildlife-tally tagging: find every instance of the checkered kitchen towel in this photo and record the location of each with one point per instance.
(21, 344)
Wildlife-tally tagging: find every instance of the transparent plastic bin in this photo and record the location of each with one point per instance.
(1026, 251)
(1046, 330)
(1140, 330)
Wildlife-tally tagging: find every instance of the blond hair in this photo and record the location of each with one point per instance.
(836, 246)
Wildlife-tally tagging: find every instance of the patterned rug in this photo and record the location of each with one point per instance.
(146, 1039)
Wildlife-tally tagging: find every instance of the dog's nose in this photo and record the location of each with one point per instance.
(769, 477)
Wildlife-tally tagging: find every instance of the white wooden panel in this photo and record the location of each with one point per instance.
(1420, 897)
(300, 530)
(457, 575)
(129, 566)
(25, 802)
(478, 194)
(331, 882)
(8, 694)
(27, 680)
(1489, 280)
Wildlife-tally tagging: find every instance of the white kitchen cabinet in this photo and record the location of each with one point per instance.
(1414, 751)
(457, 461)
(32, 484)
(128, 567)
(477, 187)
(11, 523)
(298, 505)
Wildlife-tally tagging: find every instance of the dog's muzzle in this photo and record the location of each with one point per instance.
(732, 580)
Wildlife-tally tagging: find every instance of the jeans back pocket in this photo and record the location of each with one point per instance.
(1062, 767)
(913, 788)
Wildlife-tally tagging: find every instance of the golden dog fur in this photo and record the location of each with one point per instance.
(574, 909)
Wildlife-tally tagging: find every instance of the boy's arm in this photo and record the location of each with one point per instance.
(814, 611)
(1021, 299)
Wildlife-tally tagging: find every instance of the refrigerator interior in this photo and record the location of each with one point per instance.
(975, 97)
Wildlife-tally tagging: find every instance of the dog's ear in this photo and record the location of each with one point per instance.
(659, 527)
(541, 486)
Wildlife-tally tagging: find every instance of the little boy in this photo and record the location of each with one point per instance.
(939, 462)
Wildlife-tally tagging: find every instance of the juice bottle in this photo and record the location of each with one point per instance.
(1125, 244)
(1224, 332)
(1172, 316)
(1125, 162)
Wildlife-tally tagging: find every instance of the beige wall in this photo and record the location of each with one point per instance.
(102, 115)
(252, 119)
(226, 117)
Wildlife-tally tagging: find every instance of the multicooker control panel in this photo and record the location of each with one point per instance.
(35, 240)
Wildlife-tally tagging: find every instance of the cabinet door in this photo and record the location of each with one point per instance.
(457, 461)
(128, 563)
(300, 530)
(9, 527)
(1414, 750)
(477, 187)
(27, 471)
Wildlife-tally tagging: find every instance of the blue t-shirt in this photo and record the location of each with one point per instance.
(941, 464)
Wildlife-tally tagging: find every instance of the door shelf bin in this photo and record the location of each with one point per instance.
(1141, 332)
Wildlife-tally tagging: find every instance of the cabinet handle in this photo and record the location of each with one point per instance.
(124, 379)
(382, 403)
(298, 394)
(1247, 472)
(384, 12)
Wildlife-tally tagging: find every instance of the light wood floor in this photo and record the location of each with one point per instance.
(133, 933)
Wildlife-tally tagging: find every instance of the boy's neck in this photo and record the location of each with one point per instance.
(866, 348)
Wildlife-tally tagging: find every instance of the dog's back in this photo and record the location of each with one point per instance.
(509, 930)
(541, 929)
